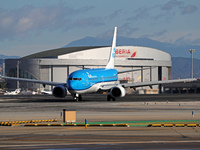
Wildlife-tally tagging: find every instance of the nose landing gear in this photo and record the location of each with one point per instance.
(77, 97)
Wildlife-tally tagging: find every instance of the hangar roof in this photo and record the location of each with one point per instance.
(60, 51)
(103, 52)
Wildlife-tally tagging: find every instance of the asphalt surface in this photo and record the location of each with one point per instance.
(95, 108)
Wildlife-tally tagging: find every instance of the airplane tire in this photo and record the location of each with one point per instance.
(75, 99)
(79, 98)
(108, 98)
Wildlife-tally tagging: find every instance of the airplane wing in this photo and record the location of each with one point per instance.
(149, 83)
(34, 81)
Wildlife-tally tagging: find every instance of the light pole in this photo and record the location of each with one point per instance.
(18, 62)
(191, 51)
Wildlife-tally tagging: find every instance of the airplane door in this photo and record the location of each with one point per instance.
(102, 78)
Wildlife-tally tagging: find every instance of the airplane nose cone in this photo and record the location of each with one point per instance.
(72, 85)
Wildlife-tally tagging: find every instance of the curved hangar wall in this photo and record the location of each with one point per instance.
(127, 58)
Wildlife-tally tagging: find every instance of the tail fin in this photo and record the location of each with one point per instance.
(111, 62)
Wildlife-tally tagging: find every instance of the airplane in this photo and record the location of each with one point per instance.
(16, 92)
(46, 92)
(94, 80)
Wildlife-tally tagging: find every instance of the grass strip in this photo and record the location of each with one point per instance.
(146, 122)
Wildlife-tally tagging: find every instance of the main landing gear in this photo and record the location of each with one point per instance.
(77, 97)
(109, 98)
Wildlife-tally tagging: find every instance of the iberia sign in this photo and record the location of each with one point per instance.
(125, 53)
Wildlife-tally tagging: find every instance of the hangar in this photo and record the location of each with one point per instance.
(57, 64)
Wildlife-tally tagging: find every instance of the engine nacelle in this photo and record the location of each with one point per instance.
(117, 91)
(59, 91)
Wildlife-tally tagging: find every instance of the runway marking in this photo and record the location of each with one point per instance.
(10, 123)
(95, 143)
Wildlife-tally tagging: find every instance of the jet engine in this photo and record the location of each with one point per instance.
(117, 91)
(59, 91)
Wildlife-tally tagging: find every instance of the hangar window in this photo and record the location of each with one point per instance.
(140, 58)
(79, 79)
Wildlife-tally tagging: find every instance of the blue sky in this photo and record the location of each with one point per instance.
(29, 26)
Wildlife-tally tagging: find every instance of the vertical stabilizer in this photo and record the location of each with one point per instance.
(111, 62)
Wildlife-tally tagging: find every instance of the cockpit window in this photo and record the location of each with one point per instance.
(79, 79)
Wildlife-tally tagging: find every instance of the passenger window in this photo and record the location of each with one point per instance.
(79, 79)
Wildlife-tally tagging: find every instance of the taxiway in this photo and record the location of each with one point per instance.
(96, 109)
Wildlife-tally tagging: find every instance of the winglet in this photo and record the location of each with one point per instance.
(111, 62)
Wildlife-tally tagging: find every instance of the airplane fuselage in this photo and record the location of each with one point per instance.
(89, 80)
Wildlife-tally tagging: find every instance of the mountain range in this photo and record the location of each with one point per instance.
(8, 57)
(181, 57)
(181, 67)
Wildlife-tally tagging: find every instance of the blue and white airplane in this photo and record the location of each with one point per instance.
(94, 80)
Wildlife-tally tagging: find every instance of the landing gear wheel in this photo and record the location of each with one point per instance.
(109, 98)
(77, 97)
